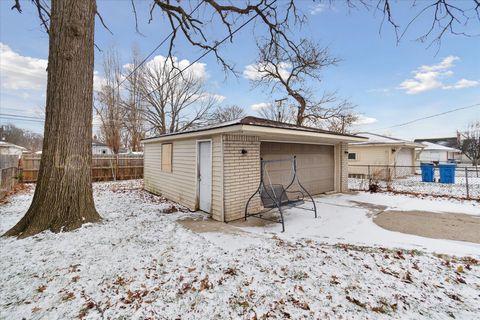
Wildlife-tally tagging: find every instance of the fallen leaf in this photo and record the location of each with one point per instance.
(41, 288)
(356, 301)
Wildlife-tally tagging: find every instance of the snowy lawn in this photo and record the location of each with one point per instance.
(140, 263)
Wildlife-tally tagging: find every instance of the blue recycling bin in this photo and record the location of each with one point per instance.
(447, 172)
(428, 172)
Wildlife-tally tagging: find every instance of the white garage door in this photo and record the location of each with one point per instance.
(404, 158)
(315, 165)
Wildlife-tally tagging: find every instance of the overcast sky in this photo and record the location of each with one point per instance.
(388, 83)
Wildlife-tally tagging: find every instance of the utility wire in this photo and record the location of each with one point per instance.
(21, 119)
(155, 49)
(428, 117)
(209, 50)
(19, 116)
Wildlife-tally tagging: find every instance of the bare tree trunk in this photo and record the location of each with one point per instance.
(63, 197)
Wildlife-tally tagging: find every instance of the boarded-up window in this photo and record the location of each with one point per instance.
(167, 157)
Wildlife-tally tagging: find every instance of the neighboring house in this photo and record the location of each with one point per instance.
(217, 168)
(101, 148)
(387, 157)
(98, 148)
(8, 148)
(433, 152)
(451, 142)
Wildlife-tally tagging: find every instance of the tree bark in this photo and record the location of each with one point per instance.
(63, 198)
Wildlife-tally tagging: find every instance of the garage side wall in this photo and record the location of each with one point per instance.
(178, 185)
(241, 174)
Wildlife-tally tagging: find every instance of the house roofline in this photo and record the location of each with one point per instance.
(388, 144)
(254, 129)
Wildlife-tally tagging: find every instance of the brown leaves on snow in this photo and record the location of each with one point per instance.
(41, 288)
(356, 301)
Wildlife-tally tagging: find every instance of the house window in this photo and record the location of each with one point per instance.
(352, 156)
(167, 157)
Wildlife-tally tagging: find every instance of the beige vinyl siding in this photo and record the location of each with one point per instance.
(178, 185)
(368, 156)
(378, 157)
(181, 184)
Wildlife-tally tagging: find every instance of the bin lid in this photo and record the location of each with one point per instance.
(426, 164)
(447, 165)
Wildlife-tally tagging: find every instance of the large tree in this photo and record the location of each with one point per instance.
(134, 104)
(63, 198)
(108, 104)
(226, 113)
(173, 101)
(470, 142)
(292, 72)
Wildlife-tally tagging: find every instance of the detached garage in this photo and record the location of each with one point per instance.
(217, 168)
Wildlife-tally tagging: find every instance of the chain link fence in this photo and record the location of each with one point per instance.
(408, 179)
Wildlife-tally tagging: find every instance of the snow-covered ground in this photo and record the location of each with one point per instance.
(347, 218)
(414, 184)
(140, 263)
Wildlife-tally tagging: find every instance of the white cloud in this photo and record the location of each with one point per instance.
(364, 120)
(253, 71)
(429, 77)
(98, 81)
(423, 81)
(19, 72)
(318, 8)
(446, 63)
(23, 73)
(259, 106)
(197, 69)
(217, 98)
(463, 83)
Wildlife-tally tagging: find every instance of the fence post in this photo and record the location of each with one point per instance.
(116, 166)
(466, 182)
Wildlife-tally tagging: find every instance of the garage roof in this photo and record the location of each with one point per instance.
(255, 125)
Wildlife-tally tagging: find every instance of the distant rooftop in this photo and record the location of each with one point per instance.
(379, 139)
(437, 147)
(5, 144)
(445, 141)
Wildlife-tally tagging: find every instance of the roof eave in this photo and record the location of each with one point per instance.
(387, 144)
(186, 135)
(256, 129)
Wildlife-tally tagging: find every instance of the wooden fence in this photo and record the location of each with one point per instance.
(104, 167)
(8, 173)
